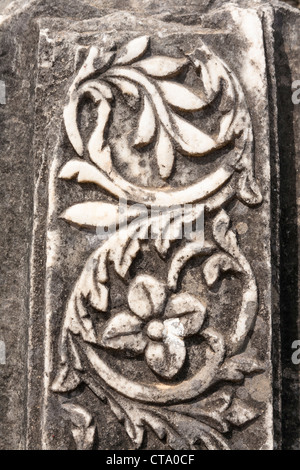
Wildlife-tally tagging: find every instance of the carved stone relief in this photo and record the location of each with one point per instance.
(159, 329)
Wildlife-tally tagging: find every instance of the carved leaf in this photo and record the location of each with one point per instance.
(211, 410)
(88, 69)
(91, 286)
(126, 87)
(169, 225)
(216, 264)
(86, 173)
(249, 191)
(147, 126)
(183, 432)
(225, 126)
(146, 296)
(78, 415)
(191, 140)
(125, 413)
(83, 430)
(190, 311)
(84, 438)
(225, 237)
(94, 214)
(124, 332)
(182, 256)
(166, 228)
(135, 431)
(241, 413)
(124, 409)
(70, 120)
(220, 411)
(100, 154)
(97, 91)
(235, 368)
(164, 154)
(162, 66)
(132, 51)
(123, 255)
(180, 97)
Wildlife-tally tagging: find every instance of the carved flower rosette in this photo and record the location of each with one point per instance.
(174, 134)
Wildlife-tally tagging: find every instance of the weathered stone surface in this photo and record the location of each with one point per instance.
(161, 106)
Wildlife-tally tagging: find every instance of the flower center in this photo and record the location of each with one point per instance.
(155, 330)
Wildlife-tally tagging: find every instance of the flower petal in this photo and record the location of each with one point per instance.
(124, 332)
(146, 296)
(167, 358)
(190, 311)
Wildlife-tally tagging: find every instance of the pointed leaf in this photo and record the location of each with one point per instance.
(146, 296)
(79, 416)
(235, 368)
(167, 227)
(181, 97)
(147, 125)
(191, 140)
(66, 380)
(164, 154)
(70, 120)
(95, 214)
(99, 154)
(209, 410)
(182, 256)
(132, 51)
(88, 67)
(84, 430)
(123, 254)
(172, 224)
(249, 190)
(161, 66)
(133, 423)
(97, 91)
(85, 173)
